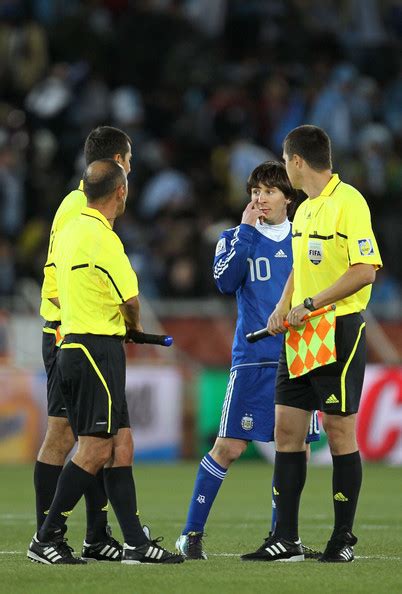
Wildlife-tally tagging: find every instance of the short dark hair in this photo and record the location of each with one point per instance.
(101, 178)
(312, 144)
(104, 142)
(273, 175)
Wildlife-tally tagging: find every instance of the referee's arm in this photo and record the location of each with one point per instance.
(130, 310)
(355, 278)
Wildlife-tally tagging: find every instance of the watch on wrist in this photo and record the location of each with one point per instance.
(308, 304)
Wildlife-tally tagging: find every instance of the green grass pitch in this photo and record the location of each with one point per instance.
(238, 523)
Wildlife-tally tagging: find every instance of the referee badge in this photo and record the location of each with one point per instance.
(315, 251)
(247, 422)
(366, 247)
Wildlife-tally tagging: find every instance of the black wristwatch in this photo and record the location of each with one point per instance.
(308, 304)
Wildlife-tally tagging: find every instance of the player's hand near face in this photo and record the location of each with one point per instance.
(296, 315)
(251, 213)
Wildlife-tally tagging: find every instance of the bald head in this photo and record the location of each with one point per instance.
(101, 178)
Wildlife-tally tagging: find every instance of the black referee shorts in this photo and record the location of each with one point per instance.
(335, 388)
(55, 401)
(92, 371)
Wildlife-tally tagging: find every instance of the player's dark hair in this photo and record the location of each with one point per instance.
(312, 144)
(101, 178)
(105, 142)
(273, 175)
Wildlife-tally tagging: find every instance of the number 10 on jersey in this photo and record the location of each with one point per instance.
(260, 269)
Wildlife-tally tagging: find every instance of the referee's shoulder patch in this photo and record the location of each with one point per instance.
(366, 247)
(220, 246)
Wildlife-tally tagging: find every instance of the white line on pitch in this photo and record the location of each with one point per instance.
(372, 557)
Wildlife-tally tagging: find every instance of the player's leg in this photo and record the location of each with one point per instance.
(346, 484)
(340, 386)
(48, 545)
(292, 419)
(119, 481)
(59, 438)
(58, 442)
(291, 426)
(210, 475)
(120, 488)
(88, 407)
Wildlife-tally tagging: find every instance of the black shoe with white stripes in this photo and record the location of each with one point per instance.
(108, 549)
(340, 548)
(54, 552)
(276, 549)
(150, 552)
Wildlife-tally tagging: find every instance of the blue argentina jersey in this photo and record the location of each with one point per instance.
(255, 268)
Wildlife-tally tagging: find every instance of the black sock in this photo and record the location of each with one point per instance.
(346, 483)
(96, 504)
(120, 489)
(72, 484)
(45, 482)
(290, 476)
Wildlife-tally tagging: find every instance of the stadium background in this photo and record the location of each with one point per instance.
(207, 89)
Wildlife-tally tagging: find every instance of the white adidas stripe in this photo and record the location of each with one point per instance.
(276, 549)
(51, 554)
(226, 404)
(223, 264)
(212, 470)
(105, 548)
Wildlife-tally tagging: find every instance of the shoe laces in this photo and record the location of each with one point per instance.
(309, 550)
(65, 547)
(156, 541)
(195, 542)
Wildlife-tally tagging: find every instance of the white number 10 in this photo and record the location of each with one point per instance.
(259, 269)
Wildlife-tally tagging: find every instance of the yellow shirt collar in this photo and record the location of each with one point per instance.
(95, 214)
(81, 186)
(331, 185)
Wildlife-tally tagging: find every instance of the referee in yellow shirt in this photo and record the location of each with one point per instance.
(335, 257)
(97, 291)
(102, 142)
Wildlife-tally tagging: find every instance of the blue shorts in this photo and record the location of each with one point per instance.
(248, 410)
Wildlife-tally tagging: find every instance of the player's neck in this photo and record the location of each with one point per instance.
(278, 223)
(315, 182)
(107, 210)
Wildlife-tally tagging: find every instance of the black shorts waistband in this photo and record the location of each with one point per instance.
(77, 337)
(53, 325)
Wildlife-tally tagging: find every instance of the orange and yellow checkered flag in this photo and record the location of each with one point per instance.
(313, 344)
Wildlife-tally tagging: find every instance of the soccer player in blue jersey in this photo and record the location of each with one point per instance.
(253, 262)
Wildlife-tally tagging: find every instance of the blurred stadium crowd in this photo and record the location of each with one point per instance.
(207, 89)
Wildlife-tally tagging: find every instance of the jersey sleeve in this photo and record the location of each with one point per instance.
(49, 286)
(362, 244)
(230, 262)
(116, 270)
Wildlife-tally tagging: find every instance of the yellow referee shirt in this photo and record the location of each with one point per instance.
(93, 276)
(331, 233)
(70, 208)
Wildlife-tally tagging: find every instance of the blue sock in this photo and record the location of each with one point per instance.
(273, 518)
(209, 479)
